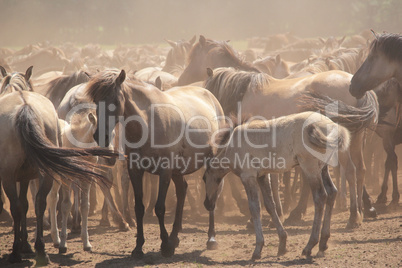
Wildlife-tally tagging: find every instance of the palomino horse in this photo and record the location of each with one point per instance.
(159, 126)
(383, 62)
(256, 148)
(30, 149)
(253, 94)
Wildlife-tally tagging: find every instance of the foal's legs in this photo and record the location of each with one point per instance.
(296, 214)
(40, 207)
(319, 196)
(85, 192)
(326, 226)
(265, 187)
(136, 181)
(355, 217)
(125, 186)
(181, 189)
(53, 198)
(275, 192)
(250, 184)
(391, 165)
(66, 205)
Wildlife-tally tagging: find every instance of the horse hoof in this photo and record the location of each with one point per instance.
(352, 225)
(282, 246)
(306, 252)
(26, 248)
(88, 249)
(42, 260)
(137, 254)
(167, 250)
(393, 205)
(56, 245)
(131, 223)
(382, 199)
(320, 254)
(124, 227)
(293, 219)
(62, 250)
(14, 258)
(256, 256)
(212, 245)
(370, 213)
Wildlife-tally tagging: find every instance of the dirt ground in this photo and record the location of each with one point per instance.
(377, 243)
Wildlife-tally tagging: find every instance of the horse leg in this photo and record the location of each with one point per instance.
(65, 209)
(250, 184)
(105, 219)
(167, 247)
(117, 217)
(153, 180)
(296, 214)
(275, 192)
(358, 160)
(369, 210)
(319, 198)
(211, 243)
(53, 198)
(85, 194)
(26, 248)
(181, 189)
(391, 164)
(236, 193)
(40, 206)
(16, 212)
(265, 187)
(136, 181)
(355, 218)
(125, 186)
(395, 192)
(331, 197)
(76, 226)
(94, 201)
(286, 193)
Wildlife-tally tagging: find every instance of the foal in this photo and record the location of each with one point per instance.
(257, 148)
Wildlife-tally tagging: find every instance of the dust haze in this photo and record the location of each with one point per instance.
(150, 21)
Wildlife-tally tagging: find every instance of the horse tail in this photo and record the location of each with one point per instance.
(364, 115)
(51, 160)
(332, 136)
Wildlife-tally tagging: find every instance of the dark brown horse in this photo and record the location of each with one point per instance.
(383, 62)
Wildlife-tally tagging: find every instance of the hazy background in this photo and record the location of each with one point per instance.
(149, 21)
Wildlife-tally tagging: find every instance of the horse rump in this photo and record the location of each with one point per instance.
(68, 163)
(330, 136)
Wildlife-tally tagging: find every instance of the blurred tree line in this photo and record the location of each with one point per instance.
(148, 21)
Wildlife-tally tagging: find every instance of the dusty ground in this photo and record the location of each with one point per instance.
(377, 243)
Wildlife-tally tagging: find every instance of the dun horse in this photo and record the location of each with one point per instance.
(309, 140)
(30, 149)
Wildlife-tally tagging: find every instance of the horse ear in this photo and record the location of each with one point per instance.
(87, 74)
(158, 82)
(321, 40)
(120, 79)
(278, 59)
(192, 40)
(374, 33)
(28, 73)
(210, 72)
(202, 40)
(92, 119)
(340, 41)
(3, 71)
(171, 43)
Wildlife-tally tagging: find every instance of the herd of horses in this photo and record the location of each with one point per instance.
(309, 103)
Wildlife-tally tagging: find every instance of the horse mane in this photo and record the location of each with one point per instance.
(390, 44)
(17, 81)
(233, 58)
(229, 86)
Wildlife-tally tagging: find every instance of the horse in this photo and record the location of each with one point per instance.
(153, 120)
(273, 65)
(383, 62)
(251, 94)
(177, 56)
(260, 147)
(30, 145)
(75, 103)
